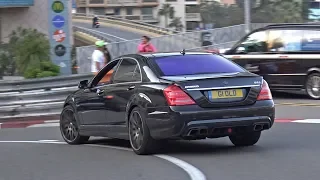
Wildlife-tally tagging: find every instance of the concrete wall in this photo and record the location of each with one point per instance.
(32, 17)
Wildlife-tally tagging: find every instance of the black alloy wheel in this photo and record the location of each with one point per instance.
(141, 141)
(69, 127)
(313, 85)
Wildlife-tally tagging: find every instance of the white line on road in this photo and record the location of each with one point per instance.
(44, 125)
(311, 121)
(193, 172)
(48, 140)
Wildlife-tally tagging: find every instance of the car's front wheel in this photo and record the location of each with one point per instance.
(69, 127)
(139, 135)
(246, 139)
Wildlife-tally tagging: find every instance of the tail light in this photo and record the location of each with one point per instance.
(177, 97)
(265, 93)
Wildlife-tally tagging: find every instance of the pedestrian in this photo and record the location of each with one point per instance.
(107, 54)
(146, 46)
(98, 57)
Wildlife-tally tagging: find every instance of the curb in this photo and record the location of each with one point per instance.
(29, 118)
(26, 124)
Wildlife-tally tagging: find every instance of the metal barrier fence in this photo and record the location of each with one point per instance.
(126, 23)
(219, 38)
(45, 96)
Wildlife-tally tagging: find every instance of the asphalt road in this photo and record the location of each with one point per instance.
(113, 31)
(289, 151)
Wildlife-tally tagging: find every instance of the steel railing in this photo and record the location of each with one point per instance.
(36, 97)
(128, 23)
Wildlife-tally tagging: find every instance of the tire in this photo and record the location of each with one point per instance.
(69, 127)
(248, 139)
(312, 90)
(139, 131)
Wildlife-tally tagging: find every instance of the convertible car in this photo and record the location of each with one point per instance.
(151, 98)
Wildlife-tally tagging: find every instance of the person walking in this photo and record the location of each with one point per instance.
(107, 54)
(145, 46)
(98, 57)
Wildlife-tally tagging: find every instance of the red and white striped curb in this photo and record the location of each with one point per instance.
(55, 123)
(29, 124)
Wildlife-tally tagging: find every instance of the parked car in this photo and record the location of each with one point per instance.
(286, 55)
(166, 96)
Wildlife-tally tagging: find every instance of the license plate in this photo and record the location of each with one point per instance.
(229, 93)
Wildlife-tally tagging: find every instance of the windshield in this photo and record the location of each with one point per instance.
(195, 64)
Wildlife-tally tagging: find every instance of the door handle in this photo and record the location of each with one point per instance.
(100, 92)
(131, 88)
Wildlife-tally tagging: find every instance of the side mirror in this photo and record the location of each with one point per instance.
(83, 84)
(224, 51)
(241, 50)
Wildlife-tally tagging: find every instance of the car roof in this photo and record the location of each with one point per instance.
(166, 54)
(292, 25)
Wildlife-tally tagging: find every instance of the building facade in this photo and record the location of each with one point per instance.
(24, 13)
(138, 10)
(187, 10)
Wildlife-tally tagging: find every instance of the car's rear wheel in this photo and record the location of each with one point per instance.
(69, 127)
(313, 85)
(141, 141)
(246, 139)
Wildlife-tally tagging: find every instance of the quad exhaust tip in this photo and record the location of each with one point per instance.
(198, 132)
(260, 127)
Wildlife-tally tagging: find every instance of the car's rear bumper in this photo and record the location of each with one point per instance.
(193, 122)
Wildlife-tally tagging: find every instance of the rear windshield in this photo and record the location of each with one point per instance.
(195, 64)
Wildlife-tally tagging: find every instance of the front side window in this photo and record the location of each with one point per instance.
(195, 64)
(255, 42)
(282, 40)
(105, 75)
(128, 71)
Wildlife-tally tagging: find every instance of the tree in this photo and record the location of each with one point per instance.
(7, 65)
(167, 11)
(220, 15)
(31, 53)
(176, 23)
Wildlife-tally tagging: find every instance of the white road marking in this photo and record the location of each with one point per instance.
(193, 172)
(311, 121)
(48, 140)
(44, 125)
(52, 121)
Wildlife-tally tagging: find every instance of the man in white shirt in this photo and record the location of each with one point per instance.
(98, 58)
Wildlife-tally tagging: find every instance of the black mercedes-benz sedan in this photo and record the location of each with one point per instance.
(150, 98)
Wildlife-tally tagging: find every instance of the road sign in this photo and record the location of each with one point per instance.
(62, 64)
(57, 6)
(59, 35)
(60, 50)
(58, 21)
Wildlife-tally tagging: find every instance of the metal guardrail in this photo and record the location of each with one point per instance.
(36, 97)
(126, 22)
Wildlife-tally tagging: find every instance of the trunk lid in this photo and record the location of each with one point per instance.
(220, 90)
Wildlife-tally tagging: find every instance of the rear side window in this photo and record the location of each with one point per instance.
(195, 64)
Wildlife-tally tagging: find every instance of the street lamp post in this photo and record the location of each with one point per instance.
(247, 18)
